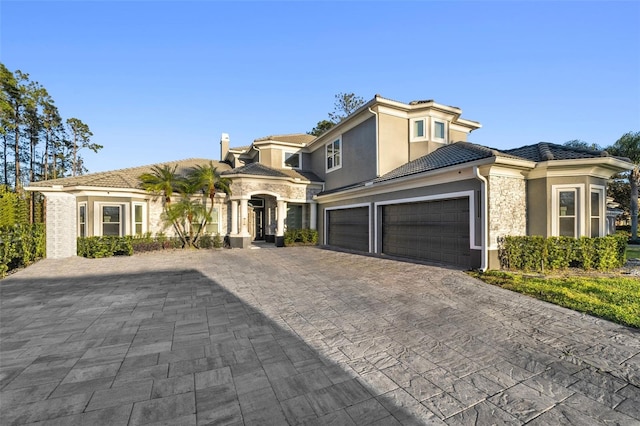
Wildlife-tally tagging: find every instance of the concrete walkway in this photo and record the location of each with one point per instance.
(299, 336)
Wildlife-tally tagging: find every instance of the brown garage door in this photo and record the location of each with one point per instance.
(432, 230)
(349, 228)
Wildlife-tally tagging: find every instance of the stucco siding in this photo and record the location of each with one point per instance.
(393, 142)
(358, 157)
(538, 207)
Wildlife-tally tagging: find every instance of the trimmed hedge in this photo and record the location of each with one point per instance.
(20, 246)
(301, 237)
(539, 254)
(96, 247)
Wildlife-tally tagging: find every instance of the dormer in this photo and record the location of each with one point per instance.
(282, 151)
(433, 125)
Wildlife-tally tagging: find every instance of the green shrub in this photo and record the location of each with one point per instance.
(535, 253)
(106, 246)
(21, 245)
(218, 241)
(205, 241)
(301, 237)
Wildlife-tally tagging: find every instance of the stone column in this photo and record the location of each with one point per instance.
(234, 217)
(244, 218)
(282, 214)
(313, 215)
(62, 225)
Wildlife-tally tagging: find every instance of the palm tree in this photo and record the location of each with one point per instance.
(163, 181)
(187, 212)
(209, 181)
(629, 146)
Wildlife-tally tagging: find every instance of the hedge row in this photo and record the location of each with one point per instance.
(300, 237)
(541, 254)
(20, 246)
(95, 247)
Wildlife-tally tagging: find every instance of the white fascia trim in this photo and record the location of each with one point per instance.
(347, 206)
(602, 167)
(278, 144)
(418, 180)
(444, 196)
(275, 179)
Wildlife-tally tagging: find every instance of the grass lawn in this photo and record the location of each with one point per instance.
(633, 252)
(614, 298)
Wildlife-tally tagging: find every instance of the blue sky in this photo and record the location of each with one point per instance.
(161, 80)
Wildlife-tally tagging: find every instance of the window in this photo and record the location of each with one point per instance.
(294, 217)
(212, 227)
(568, 222)
(111, 220)
(596, 211)
(138, 219)
(82, 220)
(333, 155)
(292, 160)
(418, 130)
(439, 131)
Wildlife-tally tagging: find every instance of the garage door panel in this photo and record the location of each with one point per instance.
(431, 230)
(349, 228)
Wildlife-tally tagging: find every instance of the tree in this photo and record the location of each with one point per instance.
(80, 138)
(580, 144)
(207, 179)
(189, 215)
(629, 146)
(344, 105)
(321, 127)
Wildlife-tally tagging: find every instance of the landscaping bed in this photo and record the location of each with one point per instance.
(613, 295)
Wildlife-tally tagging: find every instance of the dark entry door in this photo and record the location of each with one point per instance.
(258, 213)
(431, 230)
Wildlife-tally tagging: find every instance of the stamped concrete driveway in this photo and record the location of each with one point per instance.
(299, 336)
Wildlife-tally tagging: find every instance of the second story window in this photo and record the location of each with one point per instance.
(292, 160)
(418, 130)
(439, 131)
(333, 155)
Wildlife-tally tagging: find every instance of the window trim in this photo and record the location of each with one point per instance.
(133, 217)
(289, 151)
(326, 155)
(601, 191)
(579, 227)
(435, 120)
(100, 223)
(80, 224)
(97, 216)
(413, 137)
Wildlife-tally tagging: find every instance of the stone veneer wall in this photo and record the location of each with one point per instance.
(156, 224)
(507, 207)
(62, 225)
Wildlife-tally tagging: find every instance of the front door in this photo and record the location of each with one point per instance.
(257, 227)
(258, 214)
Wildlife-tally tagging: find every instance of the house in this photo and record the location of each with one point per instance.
(392, 179)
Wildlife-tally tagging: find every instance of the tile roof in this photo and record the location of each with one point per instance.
(127, 178)
(291, 138)
(448, 155)
(464, 152)
(257, 169)
(545, 151)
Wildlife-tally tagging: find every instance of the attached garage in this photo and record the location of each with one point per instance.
(436, 231)
(348, 228)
